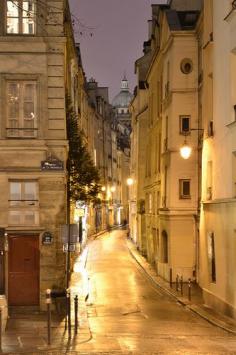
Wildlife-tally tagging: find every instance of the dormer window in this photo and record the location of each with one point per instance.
(20, 17)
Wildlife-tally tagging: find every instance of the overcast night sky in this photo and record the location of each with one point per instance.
(119, 29)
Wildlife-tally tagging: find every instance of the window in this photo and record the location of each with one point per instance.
(21, 109)
(23, 202)
(150, 203)
(186, 66)
(211, 256)
(184, 189)
(167, 84)
(209, 181)
(20, 17)
(165, 142)
(164, 242)
(184, 124)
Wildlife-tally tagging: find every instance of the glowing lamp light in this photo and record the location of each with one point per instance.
(76, 219)
(185, 151)
(113, 189)
(130, 181)
(103, 188)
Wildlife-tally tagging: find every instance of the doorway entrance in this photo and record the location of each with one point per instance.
(23, 270)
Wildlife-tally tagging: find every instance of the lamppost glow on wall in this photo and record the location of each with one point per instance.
(130, 181)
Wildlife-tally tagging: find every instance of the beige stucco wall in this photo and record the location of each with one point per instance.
(218, 214)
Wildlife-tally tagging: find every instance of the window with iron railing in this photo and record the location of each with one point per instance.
(23, 202)
(21, 109)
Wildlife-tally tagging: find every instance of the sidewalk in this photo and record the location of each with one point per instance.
(196, 304)
(26, 330)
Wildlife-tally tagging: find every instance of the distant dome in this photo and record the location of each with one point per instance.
(124, 97)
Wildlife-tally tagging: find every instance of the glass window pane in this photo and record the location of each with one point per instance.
(13, 110)
(13, 104)
(13, 92)
(29, 110)
(186, 188)
(12, 25)
(185, 124)
(29, 100)
(28, 6)
(13, 89)
(28, 25)
(12, 9)
(29, 91)
(30, 191)
(15, 191)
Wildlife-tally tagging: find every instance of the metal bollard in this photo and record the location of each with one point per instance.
(68, 311)
(0, 330)
(76, 314)
(177, 282)
(171, 277)
(181, 285)
(48, 302)
(189, 289)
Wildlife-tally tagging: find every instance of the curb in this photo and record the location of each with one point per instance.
(192, 307)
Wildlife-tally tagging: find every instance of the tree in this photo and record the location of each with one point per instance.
(83, 175)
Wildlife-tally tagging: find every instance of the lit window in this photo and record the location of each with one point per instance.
(21, 109)
(184, 124)
(184, 189)
(211, 257)
(23, 203)
(21, 17)
(150, 203)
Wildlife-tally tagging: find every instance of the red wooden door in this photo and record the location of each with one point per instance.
(23, 268)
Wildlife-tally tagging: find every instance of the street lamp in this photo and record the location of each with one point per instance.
(129, 181)
(185, 150)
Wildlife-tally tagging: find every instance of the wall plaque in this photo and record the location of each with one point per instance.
(47, 238)
(52, 164)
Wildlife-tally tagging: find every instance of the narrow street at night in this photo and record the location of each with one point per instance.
(118, 177)
(127, 313)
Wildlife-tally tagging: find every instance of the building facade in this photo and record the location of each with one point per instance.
(186, 97)
(217, 229)
(166, 111)
(33, 48)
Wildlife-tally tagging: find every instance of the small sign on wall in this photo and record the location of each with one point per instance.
(47, 238)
